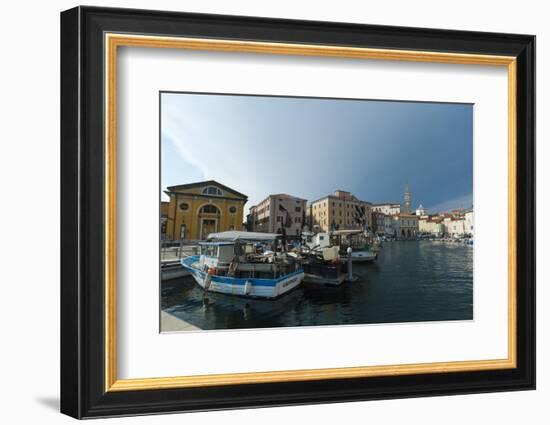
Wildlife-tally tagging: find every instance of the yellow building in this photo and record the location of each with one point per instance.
(163, 218)
(197, 209)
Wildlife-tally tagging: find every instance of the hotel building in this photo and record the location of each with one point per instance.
(277, 212)
(342, 211)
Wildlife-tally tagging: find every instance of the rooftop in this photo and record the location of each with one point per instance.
(182, 187)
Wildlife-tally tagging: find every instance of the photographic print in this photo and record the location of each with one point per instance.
(280, 211)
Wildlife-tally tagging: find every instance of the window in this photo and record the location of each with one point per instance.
(210, 250)
(279, 219)
(232, 209)
(184, 206)
(212, 190)
(298, 209)
(209, 209)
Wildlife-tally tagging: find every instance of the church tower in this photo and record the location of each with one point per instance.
(407, 199)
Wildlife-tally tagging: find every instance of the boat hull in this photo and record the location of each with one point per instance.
(252, 287)
(173, 271)
(322, 280)
(362, 256)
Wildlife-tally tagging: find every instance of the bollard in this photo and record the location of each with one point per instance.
(350, 272)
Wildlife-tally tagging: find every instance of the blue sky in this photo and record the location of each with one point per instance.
(309, 147)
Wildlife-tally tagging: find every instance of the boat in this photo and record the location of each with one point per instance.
(323, 265)
(363, 248)
(245, 264)
(172, 270)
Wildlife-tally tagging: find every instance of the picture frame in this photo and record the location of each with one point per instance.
(90, 39)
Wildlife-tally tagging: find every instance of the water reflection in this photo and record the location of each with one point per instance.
(410, 281)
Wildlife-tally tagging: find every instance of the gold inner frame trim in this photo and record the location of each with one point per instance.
(113, 41)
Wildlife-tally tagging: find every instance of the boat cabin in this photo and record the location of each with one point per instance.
(245, 255)
(317, 241)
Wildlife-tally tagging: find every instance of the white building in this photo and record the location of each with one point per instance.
(469, 222)
(431, 225)
(388, 208)
(455, 226)
(388, 225)
(420, 211)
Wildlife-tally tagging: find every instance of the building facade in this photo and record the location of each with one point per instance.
(455, 226)
(341, 211)
(405, 226)
(197, 209)
(164, 218)
(431, 224)
(420, 211)
(277, 212)
(378, 219)
(469, 222)
(388, 208)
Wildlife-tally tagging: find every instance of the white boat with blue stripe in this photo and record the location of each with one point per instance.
(245, 264)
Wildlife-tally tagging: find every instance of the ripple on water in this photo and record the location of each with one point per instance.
(409, 282)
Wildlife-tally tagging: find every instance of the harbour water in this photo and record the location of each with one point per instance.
(411, 281)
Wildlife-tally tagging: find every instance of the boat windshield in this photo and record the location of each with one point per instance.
(210, 250)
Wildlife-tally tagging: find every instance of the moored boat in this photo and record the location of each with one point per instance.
(364, 249)
(245, 264)
(323, 266)
(172, 270)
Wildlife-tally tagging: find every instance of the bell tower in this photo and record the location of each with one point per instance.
(407, 199)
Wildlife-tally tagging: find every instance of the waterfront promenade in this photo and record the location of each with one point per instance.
(171, 323)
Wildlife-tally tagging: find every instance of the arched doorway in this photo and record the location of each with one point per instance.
(402, 233)
(409, 233)
(209, 219)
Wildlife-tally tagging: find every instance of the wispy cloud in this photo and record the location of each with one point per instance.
(310, 147)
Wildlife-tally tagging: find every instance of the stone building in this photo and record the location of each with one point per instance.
(197, 209)
(277, 212)
(341, 211)
(405, 226)
(378, 219)
(431, 224)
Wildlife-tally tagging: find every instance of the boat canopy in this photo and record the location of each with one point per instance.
(235, 235)
(217, 243)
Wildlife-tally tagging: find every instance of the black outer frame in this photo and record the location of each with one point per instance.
(82, 206)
